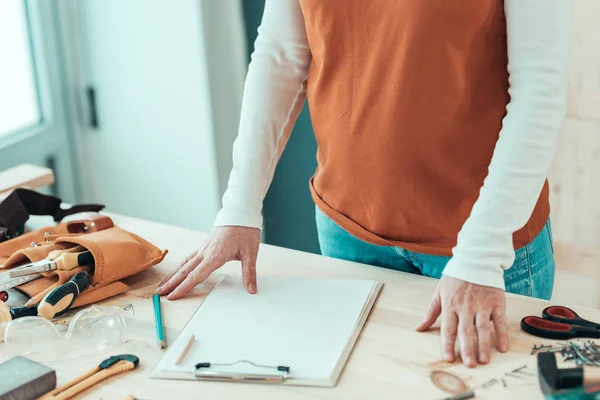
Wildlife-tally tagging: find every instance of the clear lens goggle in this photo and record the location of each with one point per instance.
(98, 328)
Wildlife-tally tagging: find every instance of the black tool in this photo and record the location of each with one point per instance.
(8, 314)
(58, 301)
(566, 316)
(20, 312)
(560, 323)
(553, 379)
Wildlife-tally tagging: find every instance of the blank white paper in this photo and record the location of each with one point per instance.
(304, 324)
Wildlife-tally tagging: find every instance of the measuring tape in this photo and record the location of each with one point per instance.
(11, 283)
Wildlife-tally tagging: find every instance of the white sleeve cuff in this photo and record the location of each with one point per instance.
(477, 272)
(238, 218)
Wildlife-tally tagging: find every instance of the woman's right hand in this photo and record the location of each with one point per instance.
(228, 243)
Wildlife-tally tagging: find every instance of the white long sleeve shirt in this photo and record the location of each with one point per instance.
(538, 35)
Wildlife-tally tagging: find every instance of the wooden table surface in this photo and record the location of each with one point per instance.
(390, 360)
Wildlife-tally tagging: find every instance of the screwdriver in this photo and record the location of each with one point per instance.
(64, 260)
(8, 314)
(58, 301)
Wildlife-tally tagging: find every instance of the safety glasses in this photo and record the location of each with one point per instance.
(95, 329)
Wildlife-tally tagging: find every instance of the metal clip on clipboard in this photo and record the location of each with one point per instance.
(202, 371)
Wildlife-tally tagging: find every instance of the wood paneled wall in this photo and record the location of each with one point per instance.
(575, 174)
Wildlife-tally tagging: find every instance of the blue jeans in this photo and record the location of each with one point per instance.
(532, 273)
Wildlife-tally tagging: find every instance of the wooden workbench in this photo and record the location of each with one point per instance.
(390, 360)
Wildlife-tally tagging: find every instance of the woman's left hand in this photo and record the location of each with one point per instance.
(470, 312)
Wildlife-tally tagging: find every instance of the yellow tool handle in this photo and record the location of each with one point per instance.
(89, 380)
(60, 299)
(68, 261)
(53, 255)
(50, 395)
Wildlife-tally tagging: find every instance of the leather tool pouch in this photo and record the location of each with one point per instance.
(117, 254)
(21, 203)
(45, 237)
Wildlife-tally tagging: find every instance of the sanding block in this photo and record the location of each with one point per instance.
(24, 379)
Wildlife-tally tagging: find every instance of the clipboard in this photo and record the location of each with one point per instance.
(294, 331)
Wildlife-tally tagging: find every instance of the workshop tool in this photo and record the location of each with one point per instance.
(581, 352)
(60, 299)
(13, 282)
(107, 368)
(35, 300)
(553, 379)
(160, 330)
(8, 314)
(64, 260)
(40, 296)
(561, 323)
(25, 379)
(567, 316)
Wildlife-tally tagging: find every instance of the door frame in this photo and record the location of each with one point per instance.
(220, 64)
(50, 139)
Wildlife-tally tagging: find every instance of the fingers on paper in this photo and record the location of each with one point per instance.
(500, 326)
(180, 275)
(249, 272)
(435, 309)
(197, 276)
(484, 336)
(181, 264)
(448, 333)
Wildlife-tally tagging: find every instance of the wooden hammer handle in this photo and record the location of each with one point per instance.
(53, 393)
(90, 380)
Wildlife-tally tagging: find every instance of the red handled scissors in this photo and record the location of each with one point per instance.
(560, 323)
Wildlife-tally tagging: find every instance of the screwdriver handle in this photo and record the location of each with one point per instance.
(60, 299)
(69, 261)
(20, 312)
(54, 254)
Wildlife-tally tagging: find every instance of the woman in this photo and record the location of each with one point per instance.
(436, 123)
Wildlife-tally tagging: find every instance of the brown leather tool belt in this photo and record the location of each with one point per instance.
(16, 209)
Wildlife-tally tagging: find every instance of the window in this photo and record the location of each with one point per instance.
(19, 107)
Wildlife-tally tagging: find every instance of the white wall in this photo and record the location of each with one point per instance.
(225, 41)
(163, 148)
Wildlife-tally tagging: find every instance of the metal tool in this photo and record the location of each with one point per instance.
(59, 300)
(582, 353)
(561, 323)
(107, 368)
(11, 283)
(279, 373)
(542, 347)
(65, 260)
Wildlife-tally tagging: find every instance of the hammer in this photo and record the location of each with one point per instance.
(553, 379)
